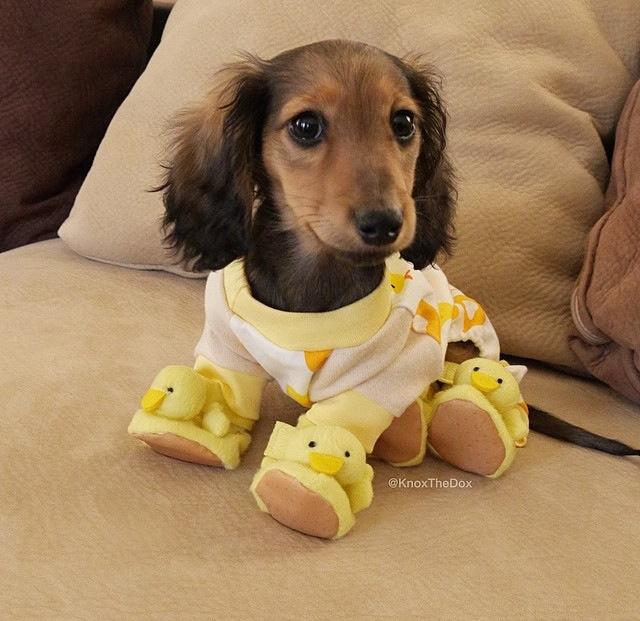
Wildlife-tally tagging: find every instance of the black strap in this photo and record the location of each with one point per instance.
(554, 427)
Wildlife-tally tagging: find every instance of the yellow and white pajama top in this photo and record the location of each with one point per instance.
(357, 366)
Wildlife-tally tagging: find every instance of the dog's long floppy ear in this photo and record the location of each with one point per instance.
(214, 173)
(433, 189)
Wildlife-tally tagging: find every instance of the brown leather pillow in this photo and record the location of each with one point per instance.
(605, 302)
(66, 67)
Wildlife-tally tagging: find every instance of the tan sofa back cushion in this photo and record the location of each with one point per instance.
(531, 89)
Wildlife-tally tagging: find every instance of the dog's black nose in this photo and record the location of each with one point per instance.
(378, 227)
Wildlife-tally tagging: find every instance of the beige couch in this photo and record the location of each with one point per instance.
(95, 526)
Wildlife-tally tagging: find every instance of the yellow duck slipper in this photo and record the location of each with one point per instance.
(313, 479)
(477, 422)
(178, 419)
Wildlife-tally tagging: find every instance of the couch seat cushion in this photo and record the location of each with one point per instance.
(94, 525)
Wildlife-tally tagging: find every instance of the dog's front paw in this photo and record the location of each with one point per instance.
(313, 479)
(187, 441)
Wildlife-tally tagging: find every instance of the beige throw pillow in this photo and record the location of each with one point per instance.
(532, 90)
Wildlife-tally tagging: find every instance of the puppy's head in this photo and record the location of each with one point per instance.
(345, 141)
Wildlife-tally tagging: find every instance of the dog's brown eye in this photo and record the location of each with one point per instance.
(402, 124)
(306, 129)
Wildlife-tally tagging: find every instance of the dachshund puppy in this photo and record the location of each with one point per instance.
(315, 166)
(324, 171)
(316, 187)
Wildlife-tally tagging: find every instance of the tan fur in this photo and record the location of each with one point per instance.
(358, 165)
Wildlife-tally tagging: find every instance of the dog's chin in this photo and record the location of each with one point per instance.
(363, 258)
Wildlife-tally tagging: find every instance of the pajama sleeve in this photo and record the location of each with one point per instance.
(239, 380)
(351, 410)
(469, 322)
